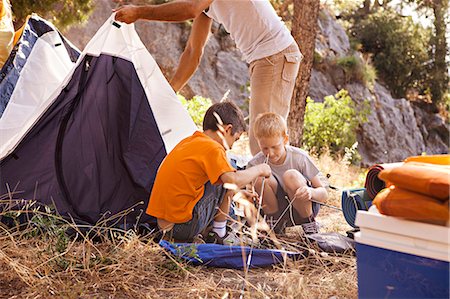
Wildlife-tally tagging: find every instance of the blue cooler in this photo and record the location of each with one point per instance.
(398, 258)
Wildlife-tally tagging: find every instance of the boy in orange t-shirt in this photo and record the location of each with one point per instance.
(188, 193)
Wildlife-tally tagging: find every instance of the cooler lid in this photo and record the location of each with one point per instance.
(401, 235)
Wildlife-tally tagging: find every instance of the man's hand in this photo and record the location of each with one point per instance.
(127, 14)
(303, 194)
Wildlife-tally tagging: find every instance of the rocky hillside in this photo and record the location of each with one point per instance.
(396, 128)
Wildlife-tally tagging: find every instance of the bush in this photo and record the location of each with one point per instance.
(62, 14)
(332, 125)
(400, 49)
(196, 107)
(357, 69)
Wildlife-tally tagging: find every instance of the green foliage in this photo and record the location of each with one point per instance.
(332, 125)
(400, 49)
(196, 107)
(61, 13)
(317, 58)
(357, 69)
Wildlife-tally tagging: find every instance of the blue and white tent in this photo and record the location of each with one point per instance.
(36, 67)
(91, 143)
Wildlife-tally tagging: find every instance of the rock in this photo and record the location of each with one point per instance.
(331, 38)
(433, 128)
(391, 133)
(321, 86)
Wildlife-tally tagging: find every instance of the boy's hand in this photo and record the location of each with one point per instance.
(265, 170)
(303, 194)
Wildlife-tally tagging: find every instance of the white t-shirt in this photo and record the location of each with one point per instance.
(254, 25)
(6, 31)
(295, 159)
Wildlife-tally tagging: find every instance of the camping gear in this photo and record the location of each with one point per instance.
(398, 202)
(232, 257)
(398, 258)
(353, 200)
(432, 159)
(373, 184)
(93, 147)
(36, 68)
(427, 179)
(332, 242)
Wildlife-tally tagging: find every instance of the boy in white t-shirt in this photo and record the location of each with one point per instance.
(295, 180)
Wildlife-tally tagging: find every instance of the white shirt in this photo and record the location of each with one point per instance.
(254, 25)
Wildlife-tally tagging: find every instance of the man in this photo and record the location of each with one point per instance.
(261, 36)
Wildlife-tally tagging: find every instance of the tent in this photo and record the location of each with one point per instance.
(91, 145)
(36, 67)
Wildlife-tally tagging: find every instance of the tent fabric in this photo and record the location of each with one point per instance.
(36, 67)
(223, 256)
(95, 150)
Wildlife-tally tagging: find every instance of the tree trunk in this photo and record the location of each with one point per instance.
(304, 29)
(439, 72)
(366, 7)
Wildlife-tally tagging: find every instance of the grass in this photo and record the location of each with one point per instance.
(38, 261)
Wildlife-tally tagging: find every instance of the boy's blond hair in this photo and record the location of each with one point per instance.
(268, 125)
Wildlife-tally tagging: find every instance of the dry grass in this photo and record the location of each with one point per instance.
(39, 261)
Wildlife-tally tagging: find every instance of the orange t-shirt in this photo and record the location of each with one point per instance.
(180, 180)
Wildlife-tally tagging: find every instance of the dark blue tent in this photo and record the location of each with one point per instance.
(93, 147)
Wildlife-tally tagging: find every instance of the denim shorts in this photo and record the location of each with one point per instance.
(286, 215)
(202, 215)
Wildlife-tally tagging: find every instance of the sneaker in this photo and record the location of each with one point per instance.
(231, 238)
(310, 228)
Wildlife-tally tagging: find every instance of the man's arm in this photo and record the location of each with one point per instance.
(241, 178)
(190, 59)
(175, 11)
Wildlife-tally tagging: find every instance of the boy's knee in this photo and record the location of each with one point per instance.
(292, 176)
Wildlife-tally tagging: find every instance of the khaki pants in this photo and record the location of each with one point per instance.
(272, 81)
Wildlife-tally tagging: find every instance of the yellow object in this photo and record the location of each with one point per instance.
(433, 159)
(19, 32)
(6, 31)
(2, 9)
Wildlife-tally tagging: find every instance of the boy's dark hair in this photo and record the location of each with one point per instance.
(229, 114)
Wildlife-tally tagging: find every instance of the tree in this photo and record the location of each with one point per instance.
(61, 13)
(304, 30)
(402, 65)
(439, 71)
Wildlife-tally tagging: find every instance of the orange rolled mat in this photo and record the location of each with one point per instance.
(397, 202)
(433, 159)
(427, 179)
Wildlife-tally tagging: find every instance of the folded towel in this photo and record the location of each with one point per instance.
(398, 202)
(427, 179)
